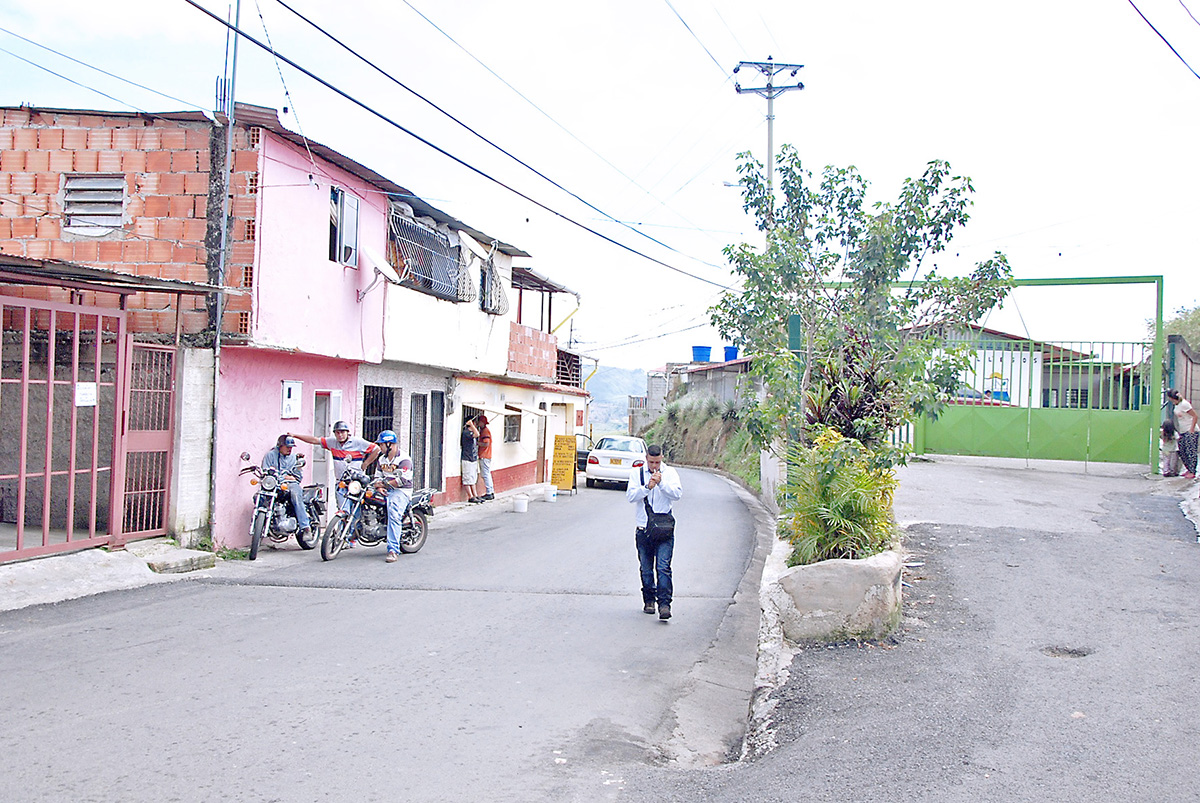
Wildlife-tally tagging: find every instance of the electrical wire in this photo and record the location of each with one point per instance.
(1160, 36)
(480, 136)
(698, 41)
(347, 96)
(102, 72)
(647, 339)
(72, 81)
(286, 93)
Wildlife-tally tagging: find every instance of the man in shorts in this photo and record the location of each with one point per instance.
(470, 461)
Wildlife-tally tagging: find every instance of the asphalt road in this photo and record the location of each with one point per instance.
(508, 660)
(1048, 653)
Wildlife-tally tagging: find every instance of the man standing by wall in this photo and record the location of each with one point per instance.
(656, 484)
(485, 459)
(470, 460)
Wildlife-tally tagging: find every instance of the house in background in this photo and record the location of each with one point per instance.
(352, 298)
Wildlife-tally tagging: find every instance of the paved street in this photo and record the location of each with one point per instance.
(1048, 654)
(508, 660)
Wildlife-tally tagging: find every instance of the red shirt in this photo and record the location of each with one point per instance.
(485, 443)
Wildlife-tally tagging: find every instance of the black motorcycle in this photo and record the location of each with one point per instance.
(273, 515)
(362, 516)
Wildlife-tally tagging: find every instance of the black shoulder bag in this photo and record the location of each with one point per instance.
(659, 526)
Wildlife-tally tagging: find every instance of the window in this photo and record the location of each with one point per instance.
(423, 257)
(492, 298)
(512, 428)
(94, 203)
(343, 227)
(379, 407)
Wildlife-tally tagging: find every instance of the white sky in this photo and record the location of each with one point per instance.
(1076, 122)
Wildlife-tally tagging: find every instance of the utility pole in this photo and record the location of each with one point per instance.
(769, 69)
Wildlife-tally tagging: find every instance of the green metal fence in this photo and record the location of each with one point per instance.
(1088, 401)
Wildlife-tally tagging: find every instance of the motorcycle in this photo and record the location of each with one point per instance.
(273, 515)
(362, 516)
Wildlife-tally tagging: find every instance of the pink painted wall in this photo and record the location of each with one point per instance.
(293, 272)
(249, 420)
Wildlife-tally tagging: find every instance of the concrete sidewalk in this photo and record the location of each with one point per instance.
(56, 578)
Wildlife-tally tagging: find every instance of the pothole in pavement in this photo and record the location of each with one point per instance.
(1067, 652)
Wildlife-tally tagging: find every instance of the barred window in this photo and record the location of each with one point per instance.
(492, 298)
(512, 428)
(423, 257)
(94, 203)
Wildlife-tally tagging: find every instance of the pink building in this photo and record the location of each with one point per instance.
(335, 279)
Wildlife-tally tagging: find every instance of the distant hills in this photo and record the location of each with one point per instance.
(611, 389)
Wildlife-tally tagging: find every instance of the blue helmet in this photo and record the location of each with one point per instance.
(387, 436)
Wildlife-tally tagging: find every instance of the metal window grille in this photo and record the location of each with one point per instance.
(492, 298)
(379, 406)
(437, 434)
(94, 200)
(423, 257)
(419, 407)
(567, 371)
(512, 428)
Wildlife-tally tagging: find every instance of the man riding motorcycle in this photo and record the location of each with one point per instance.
(283, 461)
(347, 451)
(396, 475)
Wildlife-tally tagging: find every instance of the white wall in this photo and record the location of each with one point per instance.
(189, 514)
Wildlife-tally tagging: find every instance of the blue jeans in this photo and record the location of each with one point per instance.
(655, 558)
(397, 503)
(296, 491)
(485, 471)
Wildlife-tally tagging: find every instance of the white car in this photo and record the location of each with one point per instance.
(613, 458)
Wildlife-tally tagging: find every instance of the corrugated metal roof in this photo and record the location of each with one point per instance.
(54, 273)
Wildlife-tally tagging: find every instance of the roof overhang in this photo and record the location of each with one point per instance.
(528, 279)
(55, 273)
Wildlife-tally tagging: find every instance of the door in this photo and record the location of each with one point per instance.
(322, 421)
(148, 438)
(416, 437)
(437, 440)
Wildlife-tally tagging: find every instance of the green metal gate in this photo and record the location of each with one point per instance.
(1091, 402)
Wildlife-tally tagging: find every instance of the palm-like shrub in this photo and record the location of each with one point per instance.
(837, 501)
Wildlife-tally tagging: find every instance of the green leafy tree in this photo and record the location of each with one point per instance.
(873, 357)
(1184, 322)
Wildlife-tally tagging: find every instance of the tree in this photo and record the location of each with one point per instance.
(873, 356)
(1185, 322)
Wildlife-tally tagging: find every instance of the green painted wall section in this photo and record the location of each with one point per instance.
(1100, 436)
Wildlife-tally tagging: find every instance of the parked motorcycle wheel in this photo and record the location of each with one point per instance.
(416, 528)
(256, 532)
(335, 537)
(311, 541)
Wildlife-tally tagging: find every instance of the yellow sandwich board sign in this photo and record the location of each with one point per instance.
(562, 467)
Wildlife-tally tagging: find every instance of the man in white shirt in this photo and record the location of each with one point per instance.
(658, 484)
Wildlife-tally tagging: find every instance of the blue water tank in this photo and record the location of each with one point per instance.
(730, 353)
(701, 353)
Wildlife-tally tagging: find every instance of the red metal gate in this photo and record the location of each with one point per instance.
(61, 371)
(147, 438)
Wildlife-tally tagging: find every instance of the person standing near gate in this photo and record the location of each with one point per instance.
(485, 459)
(469, 443)
(1186, 425)
(654, 487)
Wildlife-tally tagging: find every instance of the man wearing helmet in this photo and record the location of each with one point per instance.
(346, 450)
(396, 475)
(284, 462)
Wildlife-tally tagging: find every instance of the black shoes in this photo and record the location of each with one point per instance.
(664, 611)
(648, 608)
(476, 500)
(488, 497)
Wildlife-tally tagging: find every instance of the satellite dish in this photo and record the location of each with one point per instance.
(382, 266)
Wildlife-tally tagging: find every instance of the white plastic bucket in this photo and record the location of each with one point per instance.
(520, 503)
(551, 494)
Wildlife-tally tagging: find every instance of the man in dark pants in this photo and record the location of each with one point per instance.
(658, 483)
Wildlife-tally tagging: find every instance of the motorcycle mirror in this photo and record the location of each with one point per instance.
(245, 455)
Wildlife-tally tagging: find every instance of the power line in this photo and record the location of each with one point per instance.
(1160, 36)
(647, 339)
(97, 69)
(697, 38)
(73, 81)
(467, 127)
(565, 130)
(347, 96)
